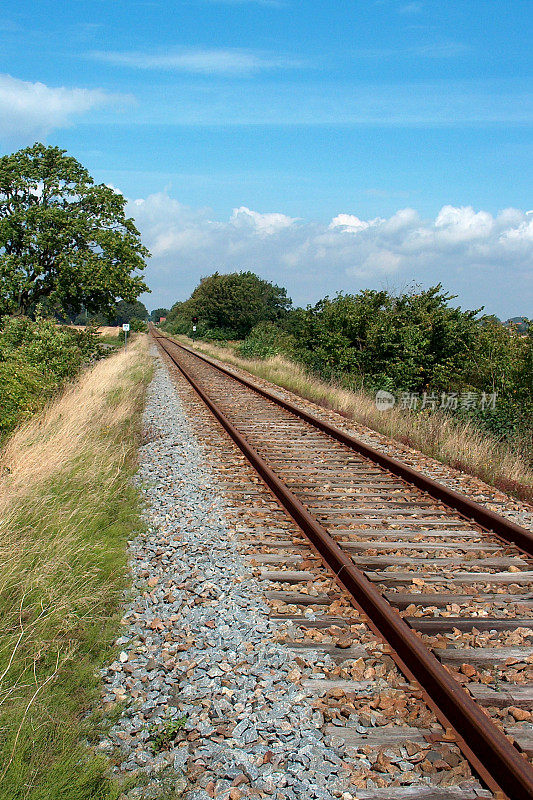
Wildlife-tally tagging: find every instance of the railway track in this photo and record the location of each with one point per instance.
(444, 582)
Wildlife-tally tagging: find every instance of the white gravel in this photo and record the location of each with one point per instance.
(198, 646)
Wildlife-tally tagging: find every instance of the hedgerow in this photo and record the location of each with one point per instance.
(36, 359)
(265, 340)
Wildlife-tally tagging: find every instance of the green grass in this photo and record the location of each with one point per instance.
(68, 508)
(162, 735)
(116, 341)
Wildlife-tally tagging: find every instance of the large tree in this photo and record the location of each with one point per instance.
(125, 312)
(236, 301)
(63, 238)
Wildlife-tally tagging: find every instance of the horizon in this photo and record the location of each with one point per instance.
(150, 307)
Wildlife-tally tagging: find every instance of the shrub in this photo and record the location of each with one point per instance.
(265, 340)
(23, 388)
(177, 327)
(418, 343)
(216, 334)
(37, 358)
(138, 325)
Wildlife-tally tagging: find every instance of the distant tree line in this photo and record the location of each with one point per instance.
(416, 342)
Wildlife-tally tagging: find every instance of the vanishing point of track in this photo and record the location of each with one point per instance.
(387, 532)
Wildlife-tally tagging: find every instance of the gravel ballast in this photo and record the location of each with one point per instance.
(518, 511)
(205, 686)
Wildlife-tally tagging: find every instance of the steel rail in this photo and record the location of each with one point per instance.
(498, 763)
(507, 530)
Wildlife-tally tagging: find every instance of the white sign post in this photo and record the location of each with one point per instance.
(125, 328)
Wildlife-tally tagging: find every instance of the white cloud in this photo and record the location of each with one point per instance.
(459, 225)
(197, 60)
(521, 234)
(350, 223)
(33, 109)
(403, 219)
(313, 259)
(263, 224)
(378, 261)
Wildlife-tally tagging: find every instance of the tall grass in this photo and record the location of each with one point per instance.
(458, 444)
(67, 508)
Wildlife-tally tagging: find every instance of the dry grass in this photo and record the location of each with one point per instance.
(58, 435)
(101, 330)
(455, 443)
(66, 510)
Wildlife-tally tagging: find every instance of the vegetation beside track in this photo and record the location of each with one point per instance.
(67, 509)
(36, 360)
(460, 380)
(457, 443)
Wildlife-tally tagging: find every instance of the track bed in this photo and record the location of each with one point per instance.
(461, 587)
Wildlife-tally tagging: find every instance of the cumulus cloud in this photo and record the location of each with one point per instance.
(459, 225)
(313, 259)
(262, 224)
(350, 223)
(33, 109)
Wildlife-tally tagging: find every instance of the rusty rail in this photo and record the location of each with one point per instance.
(468, 508)
(497, 762)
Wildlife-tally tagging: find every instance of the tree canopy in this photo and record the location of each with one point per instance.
(234, 302)
(125, 312)
(157, 313)
(63, 238)
(410, 341)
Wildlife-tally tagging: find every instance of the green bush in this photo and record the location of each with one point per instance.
(215, 334)
(418, 343)
(23, 389)
(266, 340)
(136, 326)
(36, 359)
(177, 327)
(232, 303)
(409, 342)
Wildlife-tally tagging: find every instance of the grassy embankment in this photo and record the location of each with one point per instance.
(459, 444)
(67, 508)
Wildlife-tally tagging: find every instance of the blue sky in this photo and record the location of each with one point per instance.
(328, 146)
